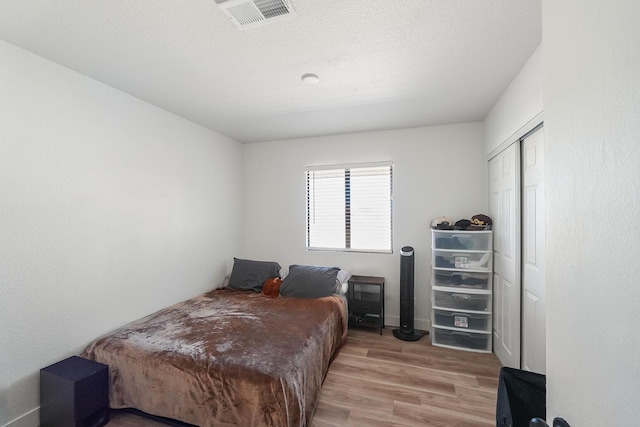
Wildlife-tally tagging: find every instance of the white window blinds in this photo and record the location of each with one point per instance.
(349, 207)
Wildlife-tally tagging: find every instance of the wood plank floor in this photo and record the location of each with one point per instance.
(381, 381)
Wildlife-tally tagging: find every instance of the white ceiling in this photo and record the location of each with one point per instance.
(382, 64)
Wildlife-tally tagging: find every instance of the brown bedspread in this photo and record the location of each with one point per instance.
(226, 358)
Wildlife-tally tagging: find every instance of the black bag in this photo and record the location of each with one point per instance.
(521, 396)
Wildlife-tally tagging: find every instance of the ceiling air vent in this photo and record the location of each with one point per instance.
(251, 13)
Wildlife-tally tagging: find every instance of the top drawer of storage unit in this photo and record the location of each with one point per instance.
(462, 240)
(478, 261)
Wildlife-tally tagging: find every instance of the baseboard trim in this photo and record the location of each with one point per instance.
(394, 321)
(30, 419)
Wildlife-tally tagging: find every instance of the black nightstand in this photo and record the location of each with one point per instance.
(366, 301)
(74, 392)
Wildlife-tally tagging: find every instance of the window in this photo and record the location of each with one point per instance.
(349, 207)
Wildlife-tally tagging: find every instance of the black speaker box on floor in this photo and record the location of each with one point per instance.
(74, 393)
(406, 332)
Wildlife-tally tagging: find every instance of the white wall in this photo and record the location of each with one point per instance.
(437, 171)
(591, 63)
(520, 103)
(110, 208)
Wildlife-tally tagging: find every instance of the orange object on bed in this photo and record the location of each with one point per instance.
(271, 287)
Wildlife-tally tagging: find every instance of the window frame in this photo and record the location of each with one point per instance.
(347, 167)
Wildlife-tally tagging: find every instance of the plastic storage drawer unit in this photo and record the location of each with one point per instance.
(461, 301)
(462, 339)
(455, 319)
(461, 289)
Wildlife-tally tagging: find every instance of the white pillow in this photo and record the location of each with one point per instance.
(342, 282)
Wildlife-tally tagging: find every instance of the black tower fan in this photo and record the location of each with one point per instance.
(406, 331)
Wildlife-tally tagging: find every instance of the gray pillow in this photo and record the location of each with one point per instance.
(251, 275)
(307, 281)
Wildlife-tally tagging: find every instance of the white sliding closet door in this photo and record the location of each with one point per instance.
(516, 204)
(533, 254)
(504, 203)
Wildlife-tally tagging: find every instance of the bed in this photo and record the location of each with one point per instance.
(229, 357)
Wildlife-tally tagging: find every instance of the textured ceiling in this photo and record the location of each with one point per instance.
(382, 64)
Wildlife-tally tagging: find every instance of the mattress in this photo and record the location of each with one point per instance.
(226, 358)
